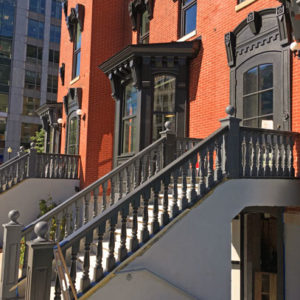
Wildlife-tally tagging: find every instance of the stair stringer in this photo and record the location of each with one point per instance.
(193, 252)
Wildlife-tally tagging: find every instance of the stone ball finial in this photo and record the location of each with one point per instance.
(32, 145)
(168, 125)
(230, 110)
(41, 230)
(13, 216)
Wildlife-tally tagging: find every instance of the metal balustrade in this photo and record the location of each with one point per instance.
(149, 188)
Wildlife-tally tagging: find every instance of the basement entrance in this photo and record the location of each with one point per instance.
(257, 255)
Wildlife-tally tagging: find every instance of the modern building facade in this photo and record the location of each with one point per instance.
(32, 75)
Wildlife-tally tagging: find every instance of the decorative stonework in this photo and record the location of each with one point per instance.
(137, 7)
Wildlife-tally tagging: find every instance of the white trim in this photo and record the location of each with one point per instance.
(75, 79)
(187, 36)
(243, 4)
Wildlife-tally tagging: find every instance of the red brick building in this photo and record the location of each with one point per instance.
(208, 75)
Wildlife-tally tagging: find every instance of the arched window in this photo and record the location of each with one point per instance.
(258, 96)
(163, 103)
(129, 119)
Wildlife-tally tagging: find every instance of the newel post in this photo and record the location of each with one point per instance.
(169, 150)
(32, 162)
(232, 145)
(11, 256)
(40, 256)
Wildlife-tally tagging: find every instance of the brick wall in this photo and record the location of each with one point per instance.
(106, 31)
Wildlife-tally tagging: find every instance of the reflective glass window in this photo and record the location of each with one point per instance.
(144, 28)
(7, 16)
(54, 34)
(52, 84)
(5, 47)
(73, 135)
(258, 96)
(30, 105)
(4, 74)
(37, 6)
(56, 9)
(34, 54)
(188, 16)
(35, 29)
(32, 80)
(129, 119)
(163, 103)
(77, 51)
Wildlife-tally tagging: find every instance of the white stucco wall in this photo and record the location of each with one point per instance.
(195, 254)
(25, 198)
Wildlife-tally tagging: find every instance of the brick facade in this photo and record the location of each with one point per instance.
(108, 30)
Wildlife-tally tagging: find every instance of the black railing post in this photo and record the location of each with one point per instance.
(169, 150)
(39, 270)
(232, 145)
(11, 256)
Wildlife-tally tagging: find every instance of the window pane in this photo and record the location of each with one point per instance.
(164, 93)
(266, 103)
(56, 9)
(35, 29)
(54, 34)
(5, 48)
(7, 14)
(250, 107)
(190, 19)
(129, 135)
(72, 135)
(3, 102)
(130, 100)
(265, 76)
(30, 105)
(78, 37)
(77, 64)
(250, 81)
(56, 57)
(4, 74)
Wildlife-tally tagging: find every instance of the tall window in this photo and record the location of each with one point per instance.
(144, 28)
(77, 51)
(34, 54)
(163, 103)
(73, 135)
(188, 16)
(32, 80)
(129, 119)
(258, 96)
(37, 6)
(53, 57)
(36, 29)
(56, 9)
(52, 84)
(55, 34)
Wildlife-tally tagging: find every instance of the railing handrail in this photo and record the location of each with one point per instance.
(270, 131)
(109, 212)
(92, 186)
(13, 161)
(59, 154)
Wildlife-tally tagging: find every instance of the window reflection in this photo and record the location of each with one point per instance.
(73, 136)
(258, 96)
(163, 103)
(129, 119)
